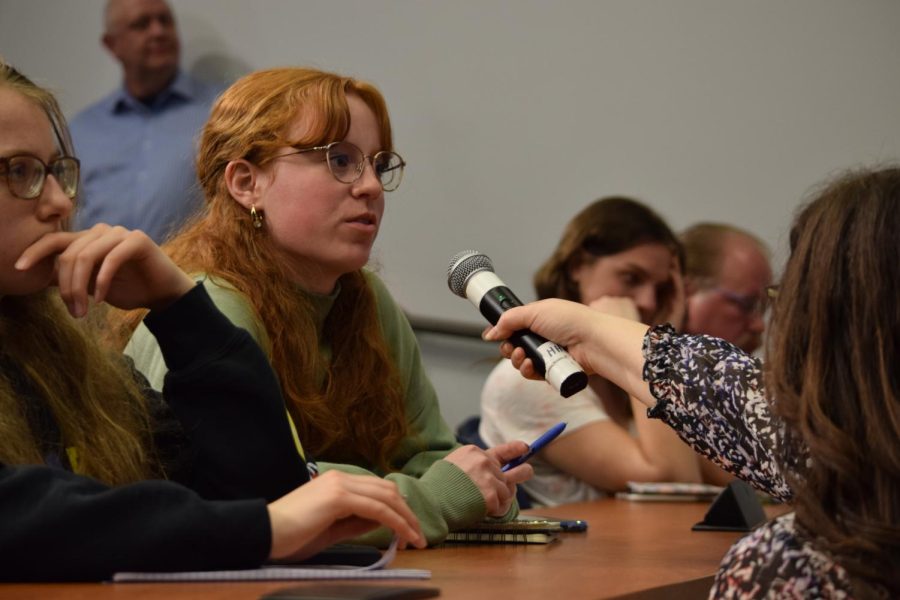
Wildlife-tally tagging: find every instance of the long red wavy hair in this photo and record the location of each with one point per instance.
(358, 417)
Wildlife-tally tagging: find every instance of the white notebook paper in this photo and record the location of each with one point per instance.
(285, 573)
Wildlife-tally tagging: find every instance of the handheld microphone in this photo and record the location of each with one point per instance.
(471, 275)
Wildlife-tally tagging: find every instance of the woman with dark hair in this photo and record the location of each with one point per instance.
(617, 256)
(818, 426)
(605, 228)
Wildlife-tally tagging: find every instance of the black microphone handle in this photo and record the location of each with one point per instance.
(497, 301)
(471, 275)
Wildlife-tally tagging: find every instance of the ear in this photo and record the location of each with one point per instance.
(245, 183)
(109, 42)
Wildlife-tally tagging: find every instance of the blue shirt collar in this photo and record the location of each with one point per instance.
(181, 89)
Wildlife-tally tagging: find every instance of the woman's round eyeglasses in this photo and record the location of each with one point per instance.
(347, 162)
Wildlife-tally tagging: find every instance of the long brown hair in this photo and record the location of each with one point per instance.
(48, 358)
(604, 227)
(833, 361)
(359, 415)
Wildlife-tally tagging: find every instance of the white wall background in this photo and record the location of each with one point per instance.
(514, 114)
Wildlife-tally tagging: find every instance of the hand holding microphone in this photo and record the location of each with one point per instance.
(471, 275)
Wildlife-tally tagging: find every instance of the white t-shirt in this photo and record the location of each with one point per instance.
(515, 408)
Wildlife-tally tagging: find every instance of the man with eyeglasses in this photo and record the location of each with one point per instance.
(727, 272)
(137, 145)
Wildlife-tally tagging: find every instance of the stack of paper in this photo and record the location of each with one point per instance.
(286, 572)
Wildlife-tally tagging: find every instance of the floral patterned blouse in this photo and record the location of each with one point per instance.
(712, 394)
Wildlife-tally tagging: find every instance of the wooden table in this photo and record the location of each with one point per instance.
(629, 547)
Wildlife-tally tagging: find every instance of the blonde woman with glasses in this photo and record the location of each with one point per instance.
(99, 473)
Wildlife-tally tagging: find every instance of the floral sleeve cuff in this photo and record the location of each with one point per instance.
(657, 364)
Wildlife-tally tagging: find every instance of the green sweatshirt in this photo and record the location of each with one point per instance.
(441, 495)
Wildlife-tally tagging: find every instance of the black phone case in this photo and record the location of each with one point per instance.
(355, 555)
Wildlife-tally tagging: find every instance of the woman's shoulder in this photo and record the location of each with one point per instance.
(216, 285)
(389, 312)
(505, 381)
(223, 293)
(378, 287)
(777, 560)
(507, 391)
(235, 305)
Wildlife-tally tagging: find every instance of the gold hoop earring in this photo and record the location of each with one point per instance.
(256, 218)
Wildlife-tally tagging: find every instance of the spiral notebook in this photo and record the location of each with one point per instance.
(284, 572)
(498, 537)
(523, 530)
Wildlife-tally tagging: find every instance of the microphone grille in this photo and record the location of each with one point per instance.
(462, 266)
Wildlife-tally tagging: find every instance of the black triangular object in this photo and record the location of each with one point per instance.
(735, 509)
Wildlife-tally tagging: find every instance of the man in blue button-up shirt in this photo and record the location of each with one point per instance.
(137, 145)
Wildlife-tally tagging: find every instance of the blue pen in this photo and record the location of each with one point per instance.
(536, 446)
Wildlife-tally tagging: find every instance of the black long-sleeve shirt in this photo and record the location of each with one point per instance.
(237, 446)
